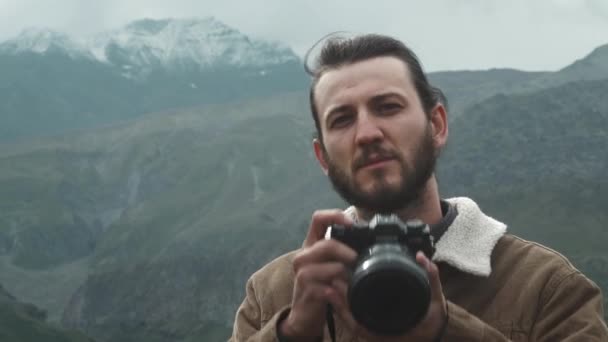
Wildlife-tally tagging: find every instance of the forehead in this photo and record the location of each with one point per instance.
(360, 80)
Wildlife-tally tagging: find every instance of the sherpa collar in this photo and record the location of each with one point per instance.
(468, 242)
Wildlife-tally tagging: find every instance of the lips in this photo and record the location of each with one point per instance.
(373, 155)
(375, 162)
(372, 159)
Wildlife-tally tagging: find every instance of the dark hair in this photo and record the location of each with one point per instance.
(338, 51)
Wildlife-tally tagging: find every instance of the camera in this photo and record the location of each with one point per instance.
(389, 292)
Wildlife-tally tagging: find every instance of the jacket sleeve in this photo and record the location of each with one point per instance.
(248, 324)
(570, 310)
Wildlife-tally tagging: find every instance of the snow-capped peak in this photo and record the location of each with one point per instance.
(184, 42)
(172, 44)
(41, 40)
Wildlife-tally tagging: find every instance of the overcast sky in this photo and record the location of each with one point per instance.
(446, 34)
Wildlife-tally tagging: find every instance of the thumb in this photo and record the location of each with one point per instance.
(433, 273)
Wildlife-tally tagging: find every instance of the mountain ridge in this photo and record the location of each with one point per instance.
(166, 43)
(152, 65)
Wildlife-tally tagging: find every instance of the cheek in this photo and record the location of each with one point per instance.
(410, 138)
(337, 159)
(338, 151)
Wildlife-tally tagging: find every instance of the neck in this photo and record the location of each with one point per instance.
(426, 207)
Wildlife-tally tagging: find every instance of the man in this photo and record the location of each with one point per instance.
(380, 129)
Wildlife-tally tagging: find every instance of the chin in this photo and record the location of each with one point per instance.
(381, 187)
(379, 177)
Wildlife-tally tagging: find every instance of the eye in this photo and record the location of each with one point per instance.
(341, 121)
(387, 108)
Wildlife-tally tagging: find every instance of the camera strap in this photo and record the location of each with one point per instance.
(331, 325)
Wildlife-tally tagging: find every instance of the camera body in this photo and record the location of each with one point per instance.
(389, 293)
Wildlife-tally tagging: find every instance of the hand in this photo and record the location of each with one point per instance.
(427, 330)
(321, 272)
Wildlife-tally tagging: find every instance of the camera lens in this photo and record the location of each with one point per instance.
(389, 292)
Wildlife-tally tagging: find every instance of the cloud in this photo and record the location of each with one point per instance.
(598, 8)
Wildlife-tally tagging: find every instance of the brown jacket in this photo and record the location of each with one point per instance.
(499, 288)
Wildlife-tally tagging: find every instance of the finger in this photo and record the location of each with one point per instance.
(340, 288)
(341, 285)
(324, 273)
(433, 274)
(321, 219)
(308, 307)
(336, 299)
(325, 251)
(339, 301)
(314, 294)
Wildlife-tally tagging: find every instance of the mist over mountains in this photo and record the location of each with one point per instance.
(145, 173)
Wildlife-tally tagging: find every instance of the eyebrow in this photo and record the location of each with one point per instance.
(375, 100)
(383, 97)
(337, 110)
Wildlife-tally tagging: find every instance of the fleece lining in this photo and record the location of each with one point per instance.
(468, 242)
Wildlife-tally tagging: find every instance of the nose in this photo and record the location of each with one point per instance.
(368, 130)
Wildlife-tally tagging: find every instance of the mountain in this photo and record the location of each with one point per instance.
(177, 232)
(545, 146)
(148, 66)
(594, 66)
(182, 45)
(152, 65)
(26, 323)
(467, 88)
(148, 44)
(536, 162)
(146, 225)
(185, 195)
(42, 41)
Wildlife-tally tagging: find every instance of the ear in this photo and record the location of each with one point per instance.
(320, 154)
(439, 125)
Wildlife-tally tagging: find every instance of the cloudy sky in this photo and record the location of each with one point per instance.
(446, 34)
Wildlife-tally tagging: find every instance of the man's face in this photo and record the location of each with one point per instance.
(378, 148)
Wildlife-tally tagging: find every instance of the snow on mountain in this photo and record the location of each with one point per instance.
(41, 40)
(171, 42)
(168, 43)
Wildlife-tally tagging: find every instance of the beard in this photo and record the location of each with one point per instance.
(385, 198)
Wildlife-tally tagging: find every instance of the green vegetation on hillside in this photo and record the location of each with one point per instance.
(26, 323)
(45, 95)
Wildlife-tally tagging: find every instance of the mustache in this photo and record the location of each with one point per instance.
(377, 152)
